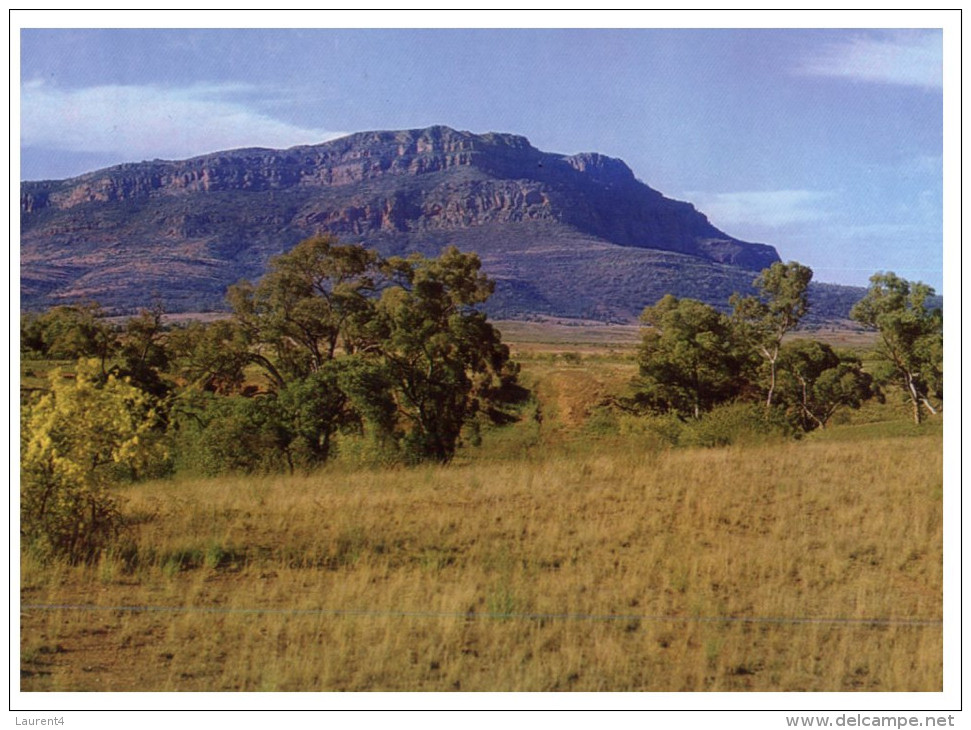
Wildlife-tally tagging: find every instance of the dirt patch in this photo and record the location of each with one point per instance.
(571, 395)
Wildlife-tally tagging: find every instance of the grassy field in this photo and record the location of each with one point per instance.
(553, 557)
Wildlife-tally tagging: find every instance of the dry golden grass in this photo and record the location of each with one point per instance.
(553, 335)
(610, 566)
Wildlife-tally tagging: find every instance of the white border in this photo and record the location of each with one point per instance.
(132, 706)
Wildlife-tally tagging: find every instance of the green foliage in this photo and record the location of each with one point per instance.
(309, 412)
(134, 351)
(734, 424)
(314, 297)
(142, 354)
(816, 381)
(911, 337)
(68, 333)
(658, 430)
(411, 367)
(214, 435)
(86, 434)
(693, 358)
(690, 358)
(763, 321)
(442, 357)
(727, 424)
(784, 291)
(407, 370)
(365, 380)
(210, 356)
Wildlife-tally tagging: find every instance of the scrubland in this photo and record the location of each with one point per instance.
(560, 554)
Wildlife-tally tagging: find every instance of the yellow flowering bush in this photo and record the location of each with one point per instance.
(84, 435)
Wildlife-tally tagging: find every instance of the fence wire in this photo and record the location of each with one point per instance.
(486, 615)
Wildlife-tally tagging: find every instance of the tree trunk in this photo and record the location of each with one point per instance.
(772, 357)
(805, 403)
(914, 398)
(768, 399)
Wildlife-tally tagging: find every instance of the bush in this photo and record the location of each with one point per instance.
(659, 431)
(735, 423)
(219, 434)
(85, 435)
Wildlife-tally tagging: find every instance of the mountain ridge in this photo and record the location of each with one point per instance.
(563, 235)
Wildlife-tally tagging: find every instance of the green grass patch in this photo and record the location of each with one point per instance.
(879, 429)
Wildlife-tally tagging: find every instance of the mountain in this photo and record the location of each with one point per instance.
(570, 236)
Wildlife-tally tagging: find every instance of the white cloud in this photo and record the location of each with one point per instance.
(141, 122)
(771, 208)
(906, 58)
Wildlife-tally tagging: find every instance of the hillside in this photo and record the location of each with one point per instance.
(566, 236)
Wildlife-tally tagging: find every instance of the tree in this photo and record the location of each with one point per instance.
(210, 356)
(310, 411)
(217, 434)
(441, 355)
(70, 332)
(765, 320)
(911, 337)
(350, 340)
(815, 381)
(314, 298)
(81, 437)
(366, 380)
(143, 354)
(289, 429)
(689, 358)
(32, 335)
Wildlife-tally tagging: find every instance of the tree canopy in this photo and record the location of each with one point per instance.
(764, 320)
(690, 359)
(693, 358)
(911, 337)
(316, 296)
(442, 356)
(815, 381)
(329, 319)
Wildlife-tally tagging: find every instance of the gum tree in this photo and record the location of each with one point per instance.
(689, 358)
(911, 343)
(764, 320)
(314, 298)
(347, 339)
(440, 355)
(815, 381)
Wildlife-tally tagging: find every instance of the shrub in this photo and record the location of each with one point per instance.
(216, 435)
(735, 423)
(659, 431)
(85, 435)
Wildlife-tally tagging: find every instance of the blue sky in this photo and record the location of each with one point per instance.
(825, 143)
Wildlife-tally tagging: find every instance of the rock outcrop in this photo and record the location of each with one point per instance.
(182, 231)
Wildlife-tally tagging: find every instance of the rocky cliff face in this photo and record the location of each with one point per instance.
(114, 233)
